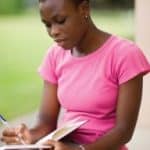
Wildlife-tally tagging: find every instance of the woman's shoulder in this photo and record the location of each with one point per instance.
(125, 51)
(128, 60)
(123, 46)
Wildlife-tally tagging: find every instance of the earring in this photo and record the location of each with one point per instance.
(86, 17)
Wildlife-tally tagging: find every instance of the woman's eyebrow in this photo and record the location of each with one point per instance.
(52, 18)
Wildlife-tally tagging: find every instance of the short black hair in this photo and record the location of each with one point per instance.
(77, 2)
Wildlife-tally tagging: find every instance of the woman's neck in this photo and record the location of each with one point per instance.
(92, 40)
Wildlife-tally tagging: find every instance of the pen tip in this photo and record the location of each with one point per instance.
(2, 118)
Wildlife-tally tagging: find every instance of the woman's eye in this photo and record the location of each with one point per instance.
(48, 25)
(62, 21)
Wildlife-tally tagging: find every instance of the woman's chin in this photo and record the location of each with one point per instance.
(65, 46)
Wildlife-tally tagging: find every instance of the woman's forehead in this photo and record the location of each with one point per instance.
(56, 5)
(51, 8)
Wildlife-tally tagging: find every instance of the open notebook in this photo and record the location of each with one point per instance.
(56, 135)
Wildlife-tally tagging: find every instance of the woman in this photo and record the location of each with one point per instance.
(93, 75)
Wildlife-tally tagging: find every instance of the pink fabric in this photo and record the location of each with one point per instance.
(88, 85)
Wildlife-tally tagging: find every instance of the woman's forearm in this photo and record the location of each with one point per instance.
(113, 140)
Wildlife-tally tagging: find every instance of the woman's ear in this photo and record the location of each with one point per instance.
(84, 9)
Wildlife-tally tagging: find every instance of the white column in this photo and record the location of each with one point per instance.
(142, 23)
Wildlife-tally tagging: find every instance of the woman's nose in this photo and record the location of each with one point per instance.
(54, 31)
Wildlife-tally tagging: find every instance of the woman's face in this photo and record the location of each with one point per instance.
(65, 22)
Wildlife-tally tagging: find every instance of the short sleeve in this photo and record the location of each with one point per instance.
(47, 67)
(131, 63)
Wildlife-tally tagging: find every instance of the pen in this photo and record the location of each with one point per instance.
(4, 122)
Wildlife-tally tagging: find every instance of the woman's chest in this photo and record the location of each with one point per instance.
(82, 87)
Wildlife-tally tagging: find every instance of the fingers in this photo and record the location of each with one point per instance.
(18, 135)
(24, 134)
(10, 140)
(9, 136)
(50, 143)
(20, 131)
(9, 132)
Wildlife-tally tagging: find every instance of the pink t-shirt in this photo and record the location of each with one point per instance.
(88, 85)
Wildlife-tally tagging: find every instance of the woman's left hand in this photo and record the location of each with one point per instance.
(60, 145)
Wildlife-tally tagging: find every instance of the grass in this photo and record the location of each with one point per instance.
(23, 42)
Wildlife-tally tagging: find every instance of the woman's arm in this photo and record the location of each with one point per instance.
(129, 100)
(47, 119)
(49, 112)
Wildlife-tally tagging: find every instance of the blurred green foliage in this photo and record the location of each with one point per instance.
(11, 6)
(17, 6)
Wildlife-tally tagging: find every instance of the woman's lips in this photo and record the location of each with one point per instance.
(61, 42)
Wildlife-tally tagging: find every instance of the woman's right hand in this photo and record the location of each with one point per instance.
(18, 135)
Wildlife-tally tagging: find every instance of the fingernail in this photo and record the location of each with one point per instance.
(17, 139)
(19, 134)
